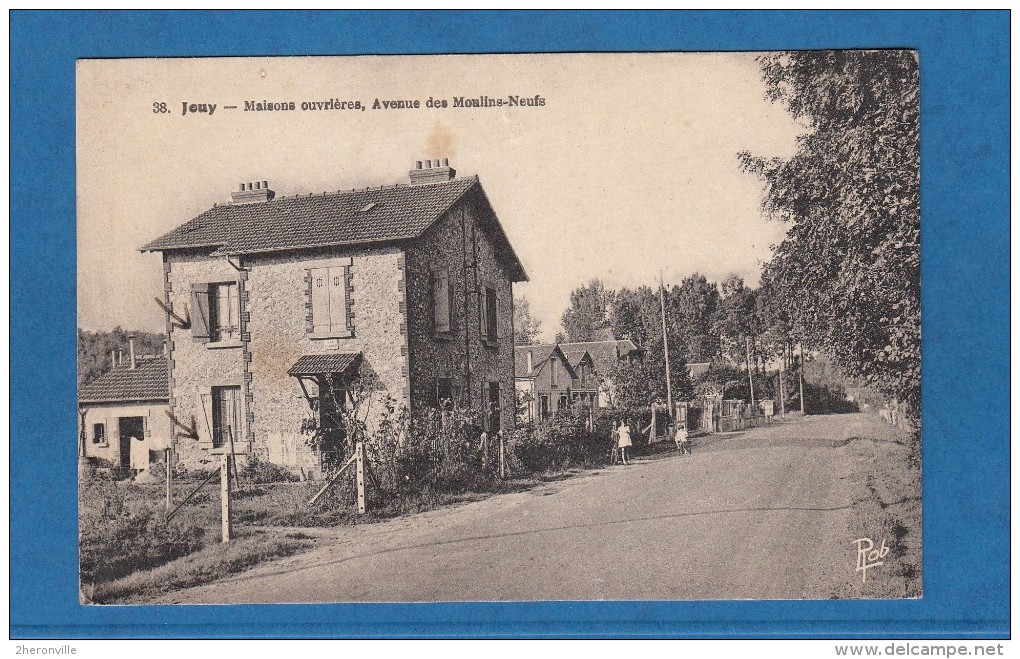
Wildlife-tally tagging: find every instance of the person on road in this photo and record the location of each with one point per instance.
(683, 440)
(624, 442)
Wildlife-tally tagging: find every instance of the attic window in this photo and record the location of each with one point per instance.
(368, 207)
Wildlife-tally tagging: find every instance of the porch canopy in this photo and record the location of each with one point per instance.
(334, 363)
(339, 365)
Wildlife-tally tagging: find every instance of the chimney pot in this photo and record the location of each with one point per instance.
(258, 185)
(265, 185)
(131, 348)
(446, 162)
(531, 365)
(417, 164)
(241, 189)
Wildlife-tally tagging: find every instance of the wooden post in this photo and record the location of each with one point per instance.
(361, 478)
(665, 341)
(502, 457)
(750, 379)
(802, 379)
(169, 477)
(225, 496)
(782, 393)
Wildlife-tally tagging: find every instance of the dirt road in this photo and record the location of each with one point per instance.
(760, 514)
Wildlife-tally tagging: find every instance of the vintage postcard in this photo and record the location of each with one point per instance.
(436, 328)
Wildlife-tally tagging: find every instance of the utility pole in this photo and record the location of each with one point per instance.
(665, 343)
(802, 379)
(750, 377)
(782, 394)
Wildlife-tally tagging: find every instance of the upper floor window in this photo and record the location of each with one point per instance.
(215, 312)
(330, 302)
(223, 311)
(554, 371)
(489, 314)
(442, 301)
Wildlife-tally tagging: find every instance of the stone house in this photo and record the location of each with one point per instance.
(122, 415)
(603, 356)
(543, 378)
(288, 313)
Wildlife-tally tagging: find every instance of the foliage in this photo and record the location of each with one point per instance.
(94, 350)
(849, 268)
(526, 328)
(587, 318)
(118, 537)
(260, 472)
(562, 441)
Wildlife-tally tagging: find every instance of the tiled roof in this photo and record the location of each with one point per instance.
(540, 353)
(148, 381)
(370, 215)
(334, 362)
(603, 353)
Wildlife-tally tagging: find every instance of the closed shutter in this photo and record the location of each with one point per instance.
(200, 312)
(483, 313)
(491, 308)
(337, 300)
(320, 300)
(441, 300)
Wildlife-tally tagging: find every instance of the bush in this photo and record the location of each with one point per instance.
(118, 537)
(261, 473)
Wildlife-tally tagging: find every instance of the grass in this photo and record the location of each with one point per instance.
(210, 563)
(887, 489)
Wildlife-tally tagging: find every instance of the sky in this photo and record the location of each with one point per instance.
(628, 169)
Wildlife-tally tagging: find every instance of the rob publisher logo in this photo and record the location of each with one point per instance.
(869, 556)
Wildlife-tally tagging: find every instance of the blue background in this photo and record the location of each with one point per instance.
(965, 247)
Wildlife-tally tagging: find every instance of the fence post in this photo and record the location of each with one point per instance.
(169, 478)
(502, 457)
(225, 496)
(361, 478)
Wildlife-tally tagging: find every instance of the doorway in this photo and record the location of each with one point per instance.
(129, 426)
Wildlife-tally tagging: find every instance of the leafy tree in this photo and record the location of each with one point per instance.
(849, 267)
(692, 305)
(587, 318)
(526, 328)
(94, 350)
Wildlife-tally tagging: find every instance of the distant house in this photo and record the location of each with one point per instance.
(544, 377)
(603, 356)
(697, 369)
(292, 304)
(123, 415)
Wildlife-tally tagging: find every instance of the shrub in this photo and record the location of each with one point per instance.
(118, 537)
(259, 472)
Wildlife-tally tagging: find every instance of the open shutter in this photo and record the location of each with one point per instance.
(492, 307)
(483, 313)
(200, 312)
(450, 303)
(320, 300)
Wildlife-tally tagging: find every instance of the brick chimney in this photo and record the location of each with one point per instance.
(531, 363)
(252, 192)
(432, 171)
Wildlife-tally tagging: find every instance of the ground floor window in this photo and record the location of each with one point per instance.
(543, 410)
(564, 402)
(226, 419)
(493, 408)
(98, 433)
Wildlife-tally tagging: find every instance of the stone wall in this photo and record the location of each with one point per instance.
(456, 242)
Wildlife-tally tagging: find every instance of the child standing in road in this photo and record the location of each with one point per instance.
(683, 440)
(624, 442)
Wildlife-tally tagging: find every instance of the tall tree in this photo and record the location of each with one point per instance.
(849, 267)
(526, 328)
(587, 318)
(692, 306)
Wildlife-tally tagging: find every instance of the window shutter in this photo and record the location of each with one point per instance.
(337, 299)
(450, 303)
(200, 312)
(441, 300)
(483, 313)
(493, 314)
(320, 300)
